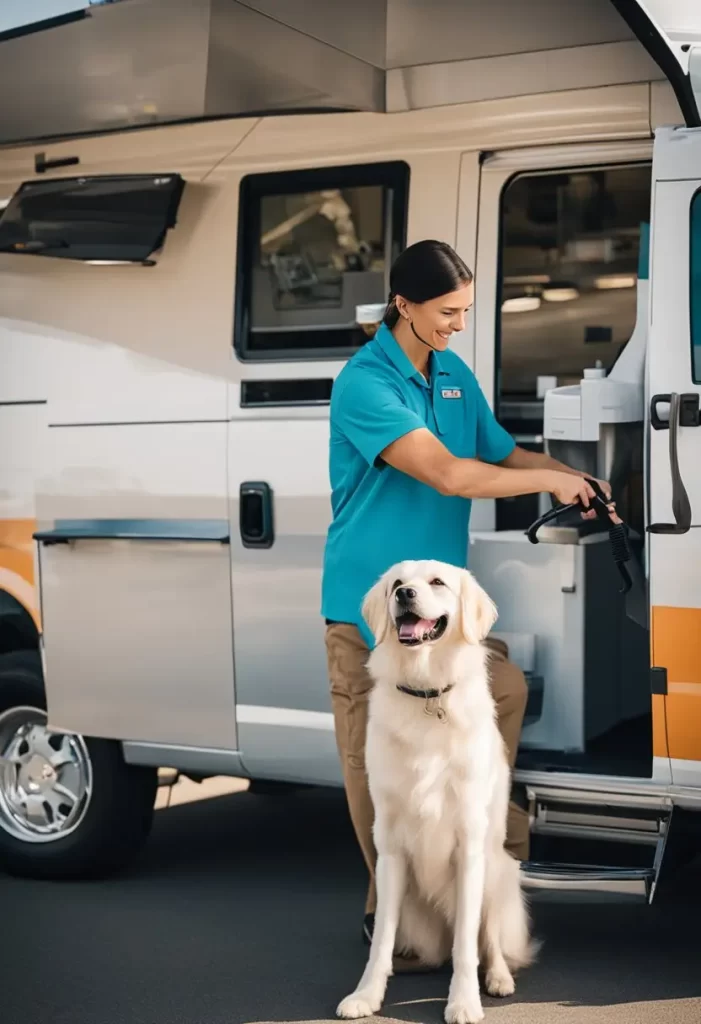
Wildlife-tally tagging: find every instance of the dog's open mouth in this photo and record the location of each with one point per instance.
(412, 630)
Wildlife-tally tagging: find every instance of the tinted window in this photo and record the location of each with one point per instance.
(695, 287)
(312, 246)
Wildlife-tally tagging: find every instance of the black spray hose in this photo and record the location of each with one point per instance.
(618, 532)
(618, 536)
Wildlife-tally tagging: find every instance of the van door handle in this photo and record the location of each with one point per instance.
(256, 515)
(688, 411)
(683, 411)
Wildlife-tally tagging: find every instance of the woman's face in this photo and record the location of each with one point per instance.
(436, 320)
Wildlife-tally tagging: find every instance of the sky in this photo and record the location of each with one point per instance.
(16, 13)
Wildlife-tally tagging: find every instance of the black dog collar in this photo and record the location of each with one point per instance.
(429, 696)
(425, 694)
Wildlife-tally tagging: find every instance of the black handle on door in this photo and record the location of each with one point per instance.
(688, 415)
(656, 422)
(256, 515)
(684, 412)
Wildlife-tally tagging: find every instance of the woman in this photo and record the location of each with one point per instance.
(413, 440)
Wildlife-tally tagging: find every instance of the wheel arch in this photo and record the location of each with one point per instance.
(18, 630)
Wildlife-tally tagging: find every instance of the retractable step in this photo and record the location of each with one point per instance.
(562, 882)
(592, 817)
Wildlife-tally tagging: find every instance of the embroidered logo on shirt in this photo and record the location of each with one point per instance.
(451, 393)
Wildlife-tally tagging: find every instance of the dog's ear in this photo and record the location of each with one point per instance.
(478, 612)
(375, 611)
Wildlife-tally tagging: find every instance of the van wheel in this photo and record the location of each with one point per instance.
(70, 807)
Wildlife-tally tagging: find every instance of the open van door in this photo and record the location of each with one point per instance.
(674, 391)
(670, 30)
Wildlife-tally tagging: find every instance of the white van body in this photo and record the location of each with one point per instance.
(141, 405)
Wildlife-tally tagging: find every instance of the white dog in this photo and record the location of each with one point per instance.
(439, 781)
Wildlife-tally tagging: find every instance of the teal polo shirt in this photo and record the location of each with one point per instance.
(381, 515)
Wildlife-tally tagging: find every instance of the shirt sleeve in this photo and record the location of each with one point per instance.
(494, 444)
(371, 414)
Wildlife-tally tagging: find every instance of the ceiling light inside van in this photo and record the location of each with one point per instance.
(521, 304)
(612, 281)
(524, 279)
(560, 294)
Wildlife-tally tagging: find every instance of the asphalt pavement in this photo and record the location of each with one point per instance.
(247, 909)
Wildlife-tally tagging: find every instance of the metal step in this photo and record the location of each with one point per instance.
(567, 882)
(587, 815)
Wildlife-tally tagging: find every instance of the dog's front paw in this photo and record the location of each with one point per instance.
(362, 1003)
(500, 982)
(464, 1011)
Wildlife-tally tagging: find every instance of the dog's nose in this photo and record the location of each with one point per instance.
(405, 594)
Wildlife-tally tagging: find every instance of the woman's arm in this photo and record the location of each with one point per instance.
(522, 459)
(420, 454)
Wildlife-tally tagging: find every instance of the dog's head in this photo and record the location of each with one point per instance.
(420, 603)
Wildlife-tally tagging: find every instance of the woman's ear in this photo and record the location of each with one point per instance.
(402, 307)
(478, 612)
(375, 611)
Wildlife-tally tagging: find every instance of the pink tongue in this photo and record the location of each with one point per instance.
(416, 630)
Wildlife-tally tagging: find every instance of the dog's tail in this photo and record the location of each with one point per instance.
(517, 945)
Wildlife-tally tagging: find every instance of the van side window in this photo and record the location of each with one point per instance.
(695, 286)
(312, 246)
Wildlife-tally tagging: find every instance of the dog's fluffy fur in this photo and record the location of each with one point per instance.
(440, 790)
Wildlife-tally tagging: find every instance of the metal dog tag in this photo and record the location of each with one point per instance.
(428, 708)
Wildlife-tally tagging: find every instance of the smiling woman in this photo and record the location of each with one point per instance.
(431, 288)
(413, 440)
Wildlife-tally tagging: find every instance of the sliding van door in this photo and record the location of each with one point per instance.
(674, 390)
(561, 287)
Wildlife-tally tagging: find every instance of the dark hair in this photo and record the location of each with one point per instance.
(424, 271)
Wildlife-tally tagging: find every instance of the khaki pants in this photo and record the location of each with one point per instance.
(350, 690)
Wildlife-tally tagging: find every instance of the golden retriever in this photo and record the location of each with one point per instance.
(439, 781)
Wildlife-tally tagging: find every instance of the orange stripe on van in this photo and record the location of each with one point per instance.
(676, 643)
(17, 562)
(684, 725)
(676, 646)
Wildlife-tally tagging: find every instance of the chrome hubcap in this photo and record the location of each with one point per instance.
(45, 778)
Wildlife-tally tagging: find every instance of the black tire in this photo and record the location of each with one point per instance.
(118, 818)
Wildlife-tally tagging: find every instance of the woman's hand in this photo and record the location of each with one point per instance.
(569, 488)
(606, 489)
(604, 485)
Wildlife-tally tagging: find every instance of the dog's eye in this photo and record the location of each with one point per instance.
(437, 583)
(397, 583)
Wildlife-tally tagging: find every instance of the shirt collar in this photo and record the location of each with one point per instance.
(396, 354)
